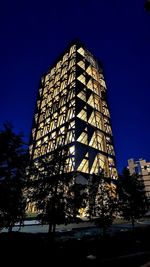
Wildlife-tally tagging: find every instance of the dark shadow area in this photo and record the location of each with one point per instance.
(123, 249)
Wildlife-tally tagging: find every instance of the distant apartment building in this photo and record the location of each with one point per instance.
(142, 168)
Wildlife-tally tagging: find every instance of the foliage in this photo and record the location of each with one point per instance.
(45, 177)
(54, 192)
(76, 200)
(133, 203)
(13, 162)
(102, 201)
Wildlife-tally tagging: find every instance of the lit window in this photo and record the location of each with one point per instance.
(71, 77)
(65, 57)
(97, 103)
(72, 103)
(64, 92)
(91, 101)
(45, 139)
(81, 64)
(81, 78)
(102, 161)
(62, 130)
(108, 129)
(94, 73)
(98, 117)
(105, 109)
(69, 165)
(58, 65)
(82, 115)
(90, 85)
(82, 95)
(52, 72)
(83, 138)
(71, 94)
(70, 137)
(72, 63)
(102, 82)
(38, 143)
(70, 114)
(89, 70)
(61, 119)
(101, 143)
(60, 140)
(64, 70)
(63, 109)
(36, 118)
(57, 78)
(72, 150)
(95, 166)
(81, 51)
(71, 125)
(92, 119)
(47, 78)
(38, 135)
(93, 141)
(45, 90)
(63, 85)
(96, 87)
(72, 84)
(72, 50)
(84, 166)
(30, 149)
(40, 91)
(110, 149)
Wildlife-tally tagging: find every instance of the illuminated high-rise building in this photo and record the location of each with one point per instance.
(72, 112)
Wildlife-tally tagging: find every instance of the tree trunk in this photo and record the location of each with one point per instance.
(10, 228)
(54, 228)
(133, 223)
(50, 228)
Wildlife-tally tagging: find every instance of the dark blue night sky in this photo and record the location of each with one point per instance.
(35, 32)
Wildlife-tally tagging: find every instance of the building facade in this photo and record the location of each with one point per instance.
(72, 112)
(142, 168)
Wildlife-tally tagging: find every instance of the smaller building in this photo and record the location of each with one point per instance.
(142, 168)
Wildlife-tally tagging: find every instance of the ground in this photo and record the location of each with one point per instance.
(122, 249)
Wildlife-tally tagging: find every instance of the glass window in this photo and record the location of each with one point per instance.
(81, 64)
(81, 51)
(82, 95)
(81, 78)
(82, 115)
(83, 138)
(84, 166)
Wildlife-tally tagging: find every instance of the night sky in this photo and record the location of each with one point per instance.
(34, 33)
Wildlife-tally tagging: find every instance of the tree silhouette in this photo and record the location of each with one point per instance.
(102, 201)
(13, 162)
(53, 190)
(45, 187)
(133, 203)
(56, 194)
(76, 199)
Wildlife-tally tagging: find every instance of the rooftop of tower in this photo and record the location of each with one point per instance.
(79, 43)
